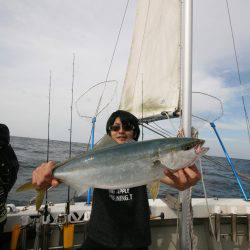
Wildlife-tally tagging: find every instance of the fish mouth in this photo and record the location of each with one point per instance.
(197, 146)
(199, 149)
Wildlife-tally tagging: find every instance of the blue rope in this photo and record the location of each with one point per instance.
(91, 147)
(230, 162)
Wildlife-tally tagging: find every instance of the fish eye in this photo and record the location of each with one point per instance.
(189, 146)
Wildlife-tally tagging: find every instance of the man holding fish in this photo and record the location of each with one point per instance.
(120, 210)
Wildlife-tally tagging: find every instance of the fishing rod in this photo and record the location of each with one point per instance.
(67, 209)
(68, 229)
(45, 219)
(46, 210)
(48, 144)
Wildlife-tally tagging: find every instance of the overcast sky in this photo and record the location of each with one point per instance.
(39, 36)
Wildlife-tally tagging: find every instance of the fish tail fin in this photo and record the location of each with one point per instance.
(40, 193)
(26, 186)
(154, 189)
(39, 198)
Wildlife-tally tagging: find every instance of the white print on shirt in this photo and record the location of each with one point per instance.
(120, 194)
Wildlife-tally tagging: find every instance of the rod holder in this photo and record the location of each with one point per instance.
(217, 227)
(234, 227)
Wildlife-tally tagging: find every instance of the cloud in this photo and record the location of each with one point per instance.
(213, 85)
(38, 37)
(212, 97)
(235, 125)
(212, 35)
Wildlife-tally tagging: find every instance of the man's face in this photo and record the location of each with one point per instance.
(119, 134)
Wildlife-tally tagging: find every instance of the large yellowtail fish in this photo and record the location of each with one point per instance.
(113, 166)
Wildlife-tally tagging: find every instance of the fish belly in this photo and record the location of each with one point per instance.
(176, 160)
(120, 174)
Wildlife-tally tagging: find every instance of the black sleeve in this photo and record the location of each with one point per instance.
(14, 167)
(8, 167)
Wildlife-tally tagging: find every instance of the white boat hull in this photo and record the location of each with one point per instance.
(229, 217)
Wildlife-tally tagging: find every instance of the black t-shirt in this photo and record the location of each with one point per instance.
(120, 218)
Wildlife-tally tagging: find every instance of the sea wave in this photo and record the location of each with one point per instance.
(219, 180)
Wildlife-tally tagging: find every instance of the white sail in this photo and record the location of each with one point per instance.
(153, 73)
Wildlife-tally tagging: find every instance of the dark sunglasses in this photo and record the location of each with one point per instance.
(126, 127)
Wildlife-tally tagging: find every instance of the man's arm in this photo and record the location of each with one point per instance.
(183, 178)
(42, 176)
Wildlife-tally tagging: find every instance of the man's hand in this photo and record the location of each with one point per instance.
(183, 178)
(42, 176)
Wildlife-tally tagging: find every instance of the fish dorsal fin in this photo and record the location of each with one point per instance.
(105, 142)
(154, 189)
(130, 141)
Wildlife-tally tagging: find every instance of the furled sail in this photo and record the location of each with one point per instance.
(152, 83)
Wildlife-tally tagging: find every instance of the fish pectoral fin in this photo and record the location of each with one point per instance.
(80, 189)
(154, 189)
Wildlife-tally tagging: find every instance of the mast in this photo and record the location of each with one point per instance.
(187, 67)
(186, 216)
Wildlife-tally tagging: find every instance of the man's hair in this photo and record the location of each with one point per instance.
(125, 117)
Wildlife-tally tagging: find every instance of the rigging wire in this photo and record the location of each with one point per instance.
(153, 130)
(111, 61)
(166, 132)
(205, 194)
(142, 42)
(142, 132)
(238, 72)
(109, 68)
(97, 112)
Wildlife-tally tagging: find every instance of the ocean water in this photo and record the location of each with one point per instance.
(219, 180)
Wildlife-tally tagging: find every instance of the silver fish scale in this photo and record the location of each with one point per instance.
(126, 174)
